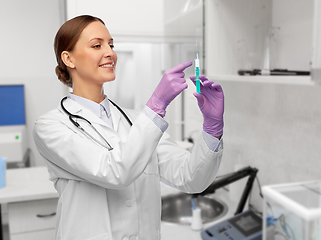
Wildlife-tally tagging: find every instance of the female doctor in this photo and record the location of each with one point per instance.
(108, 172)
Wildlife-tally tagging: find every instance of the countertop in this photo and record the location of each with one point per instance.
(24, 184)
(170, 231)
(32, 183)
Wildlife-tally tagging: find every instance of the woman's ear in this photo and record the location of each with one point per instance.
(66, 58)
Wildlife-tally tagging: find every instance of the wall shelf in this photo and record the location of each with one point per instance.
(295, 80)
(259, 34)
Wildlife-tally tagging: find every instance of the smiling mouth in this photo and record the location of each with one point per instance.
(107, 65)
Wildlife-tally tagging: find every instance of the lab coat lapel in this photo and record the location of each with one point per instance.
(115, 115)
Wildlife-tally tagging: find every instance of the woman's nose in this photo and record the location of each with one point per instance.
(109, 53)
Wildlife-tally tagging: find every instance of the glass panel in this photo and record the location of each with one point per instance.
(184, 37)
(184, 30)
(307, 195)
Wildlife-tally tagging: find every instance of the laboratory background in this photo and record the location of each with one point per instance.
(255, 49)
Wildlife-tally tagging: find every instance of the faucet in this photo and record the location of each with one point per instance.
(230, 178)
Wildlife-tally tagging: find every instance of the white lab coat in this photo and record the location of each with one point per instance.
(113, 195)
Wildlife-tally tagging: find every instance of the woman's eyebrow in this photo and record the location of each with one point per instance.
(100, 39)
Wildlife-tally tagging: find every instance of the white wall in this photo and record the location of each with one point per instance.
(275, 128)
(292, 38)
(127, 20)
(27, 57)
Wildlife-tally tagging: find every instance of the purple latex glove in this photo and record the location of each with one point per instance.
(171, 85)
(211, 104)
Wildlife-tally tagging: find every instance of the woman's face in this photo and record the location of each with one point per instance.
(93, 57)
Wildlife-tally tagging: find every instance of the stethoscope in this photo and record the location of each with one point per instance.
(73, 116)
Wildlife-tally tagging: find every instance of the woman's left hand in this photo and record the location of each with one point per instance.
(211, 104)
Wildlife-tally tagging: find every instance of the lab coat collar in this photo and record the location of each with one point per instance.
(75, 108)
(71, 106)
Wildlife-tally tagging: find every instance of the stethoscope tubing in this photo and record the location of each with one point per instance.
(72, 116)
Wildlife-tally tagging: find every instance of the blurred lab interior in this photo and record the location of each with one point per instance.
(266, 55)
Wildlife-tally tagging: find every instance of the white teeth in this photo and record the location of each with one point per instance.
(107, 66)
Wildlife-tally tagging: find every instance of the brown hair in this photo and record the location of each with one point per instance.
(66, 39)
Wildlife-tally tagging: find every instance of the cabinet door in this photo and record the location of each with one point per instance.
(32, 216)
(39, 235)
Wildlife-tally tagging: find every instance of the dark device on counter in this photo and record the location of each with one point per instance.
(273, 72)
(244, 226)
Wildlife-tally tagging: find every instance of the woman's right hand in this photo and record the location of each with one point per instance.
(211, 104)
(171, 85)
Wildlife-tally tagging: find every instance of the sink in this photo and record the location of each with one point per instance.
(178, 208)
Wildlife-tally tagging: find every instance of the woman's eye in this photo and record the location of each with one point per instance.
(97, 46)
(111, 46)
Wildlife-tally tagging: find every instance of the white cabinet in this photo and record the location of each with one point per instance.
(32, 219)
(45, 234)
(32, 202)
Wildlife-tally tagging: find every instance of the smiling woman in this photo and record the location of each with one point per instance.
(73, 35)
(113, 192)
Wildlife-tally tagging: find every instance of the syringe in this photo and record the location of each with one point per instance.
(197, 73)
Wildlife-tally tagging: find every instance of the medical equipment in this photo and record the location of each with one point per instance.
(193, 204)
(274, 72)
(12, 105)
(197, 223)
(197, 73)
(233, 177)
(13, 132)
(244, 226)
(13, 144)
(293, 210)
(72, 117)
